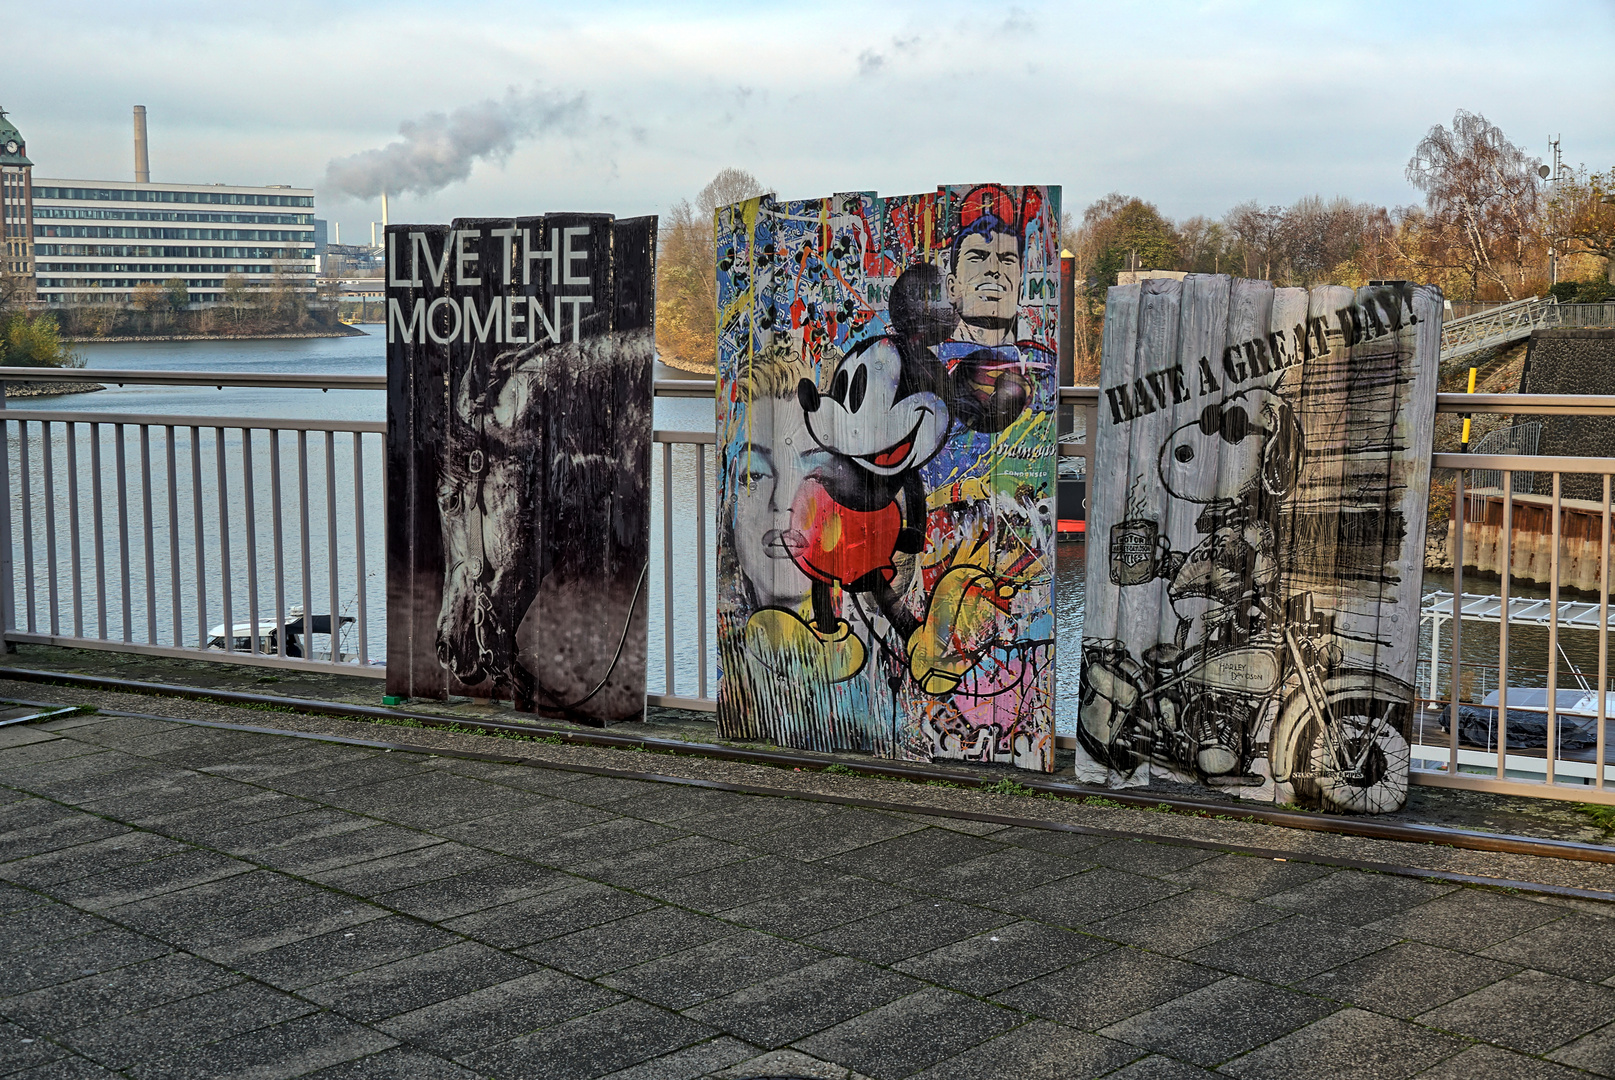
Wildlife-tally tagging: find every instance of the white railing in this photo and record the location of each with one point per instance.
(145, 533)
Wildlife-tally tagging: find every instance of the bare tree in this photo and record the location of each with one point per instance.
(1484, 201)
(686, 272)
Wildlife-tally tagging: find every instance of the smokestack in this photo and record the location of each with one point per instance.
(142, 165)
(337, 228)
(372, 234)
(383, 211)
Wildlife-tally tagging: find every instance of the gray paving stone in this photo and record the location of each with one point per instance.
(96, 857)
(1348, 1045)
(519, 834)
(523, 776)
(636, 939)
(996, 874)
(63, 775)
(1407, 979)
(691, 1062)
(1292, 949)
(433, 862)
(1036, 1051)
(22, 734)
(789, 1007)
(87, 954)
(328, 956)
(1099, 992)
(673, 803)
(209, 823)
(16, 898)
(357, 770)
(683, 979)
(1053, 841)
(46, 923)
(753, 817)
(1156, 1067)
(96, 998)
(291, 757)
(178, 790)
(396, 1064)
(741, 883)
(142, 881)
(899, 933)
(1469, 919)
(1576, 946)
(462, 1025)
(608, 1040)
(1219, 1021)
(838, 901)
(418, 981)
(591, 842)
(1493, 1063)
(500, 881)
(293, 1048)
(1247, 877)
(107, 789)
(325, 853)
(1147, 858)
(235, 937)
(60, 828)
(1594, 1051)
(1180, 924)
(1088, 897)
(311, 822)
(988, 963)
(21, 1048)
(200, 904)
(68, 1068)
(792, 1064)
(160, 1034)
(912, 856)
(550, 914)
(663, 862)
(430, 799)
(842, 831)
(1532, 1011)
(910, 1034)
(1357, 898)
(605, 790)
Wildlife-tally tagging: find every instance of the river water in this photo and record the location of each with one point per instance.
(153, 605)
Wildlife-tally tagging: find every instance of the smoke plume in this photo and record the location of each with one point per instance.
(439, 149)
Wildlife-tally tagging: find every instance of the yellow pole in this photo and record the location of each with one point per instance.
(1471, 390)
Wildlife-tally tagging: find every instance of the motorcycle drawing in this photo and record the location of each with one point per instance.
(1280, 708)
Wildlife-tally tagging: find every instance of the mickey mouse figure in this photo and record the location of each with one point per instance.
(890, 408)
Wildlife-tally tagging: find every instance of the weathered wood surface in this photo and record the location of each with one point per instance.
(887, 392)
(519, 408)
(1255, 538)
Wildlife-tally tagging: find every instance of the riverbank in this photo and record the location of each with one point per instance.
(344, 332)
(48, 389)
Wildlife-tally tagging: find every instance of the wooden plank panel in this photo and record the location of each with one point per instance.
(527, 477)
(885, 429)
(1265, 558)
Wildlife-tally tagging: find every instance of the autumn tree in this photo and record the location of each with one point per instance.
(686, 273)
(1484, 204)
(1582, 213)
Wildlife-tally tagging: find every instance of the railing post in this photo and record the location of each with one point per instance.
(8, 599)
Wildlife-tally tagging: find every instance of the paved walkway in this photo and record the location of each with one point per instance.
(182, 901)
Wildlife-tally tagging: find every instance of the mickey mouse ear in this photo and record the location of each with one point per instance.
(988, 200)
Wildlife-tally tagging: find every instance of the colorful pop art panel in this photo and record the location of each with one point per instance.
(887, 389)
(1256, 539)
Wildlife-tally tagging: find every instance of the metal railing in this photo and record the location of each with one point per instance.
(1499, 326)
(164, 557)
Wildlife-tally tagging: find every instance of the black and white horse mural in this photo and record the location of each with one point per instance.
(1257, 538)
(519, 430)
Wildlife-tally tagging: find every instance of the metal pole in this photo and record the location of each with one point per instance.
(1502, 626)
(1454, 677)
(358, 544)
(119, 461)
(24, 469)
(8, 597)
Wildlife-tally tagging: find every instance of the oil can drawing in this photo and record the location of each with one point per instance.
(886, 398)
(1258, 518)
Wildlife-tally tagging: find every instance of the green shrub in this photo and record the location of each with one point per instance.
(1595, 291)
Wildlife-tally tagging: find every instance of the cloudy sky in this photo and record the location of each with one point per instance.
(515, 108)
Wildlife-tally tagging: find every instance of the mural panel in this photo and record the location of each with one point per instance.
(886, 398)
(1257, 538)
(519, 375)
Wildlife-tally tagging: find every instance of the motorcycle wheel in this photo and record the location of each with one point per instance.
(1383, 784)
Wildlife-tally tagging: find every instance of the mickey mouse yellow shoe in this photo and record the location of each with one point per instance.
(796, 649)
(960, 625)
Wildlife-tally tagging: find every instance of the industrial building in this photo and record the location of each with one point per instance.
(97, 241)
